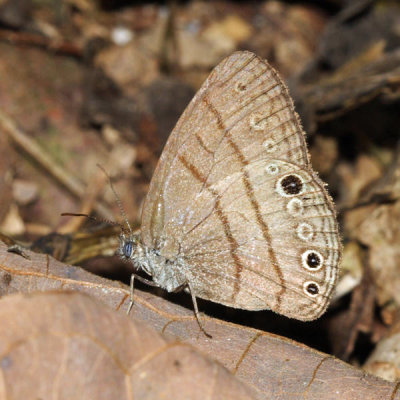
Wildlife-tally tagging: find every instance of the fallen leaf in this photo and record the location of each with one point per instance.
(77, 348)
(385, 359)
(273, 366)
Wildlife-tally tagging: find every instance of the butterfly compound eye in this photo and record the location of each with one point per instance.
(128, 249)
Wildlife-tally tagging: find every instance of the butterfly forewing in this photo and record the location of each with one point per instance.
(234, 197)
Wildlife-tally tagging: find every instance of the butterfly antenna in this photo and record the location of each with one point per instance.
(107, 221)
(118, 200)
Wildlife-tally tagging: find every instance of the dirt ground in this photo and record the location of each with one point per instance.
(89, 92)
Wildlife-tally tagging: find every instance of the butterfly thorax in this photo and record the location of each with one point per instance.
(166, 273)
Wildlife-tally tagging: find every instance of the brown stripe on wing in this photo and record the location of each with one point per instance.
(155, 222)
(253, 201)
(233, 244)
(202, 144)
(216, 113)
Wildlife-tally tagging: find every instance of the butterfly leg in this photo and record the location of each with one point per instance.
(132, 286)
(196, 311)
(17, 249)
(14, 247)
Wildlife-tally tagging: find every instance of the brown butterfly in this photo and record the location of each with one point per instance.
(235, 213)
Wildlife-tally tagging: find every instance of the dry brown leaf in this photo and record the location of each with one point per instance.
(351, 269)
(347, 325)
(380, 231)
(287, 34)
(385, 359)
(80, 349)
(329, 99)
(356, 177)
(273, 366)
(129, 66)
(324, 153)
(232, 28)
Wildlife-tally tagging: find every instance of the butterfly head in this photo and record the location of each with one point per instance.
(128, 246)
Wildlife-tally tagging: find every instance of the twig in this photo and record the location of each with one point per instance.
(30, 39)
(72, 184)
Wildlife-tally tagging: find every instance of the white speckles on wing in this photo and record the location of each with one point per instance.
(219, 202)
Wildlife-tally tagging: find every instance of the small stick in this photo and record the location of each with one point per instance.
(30, 146)
(36, 40)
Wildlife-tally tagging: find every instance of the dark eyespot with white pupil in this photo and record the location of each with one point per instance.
(313, 260)
(291, 185)
(313, 289)
(128, 249)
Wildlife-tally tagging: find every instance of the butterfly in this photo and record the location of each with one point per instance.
(235, 214)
